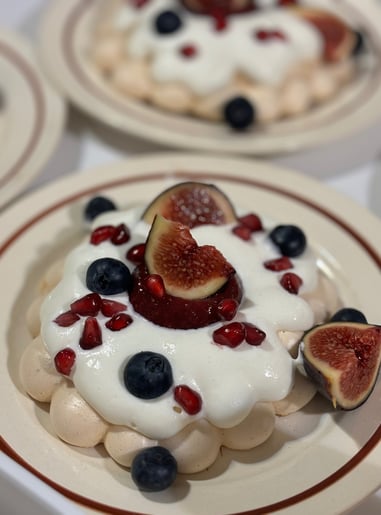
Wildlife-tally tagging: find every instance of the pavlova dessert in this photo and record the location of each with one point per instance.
(181, 327)
(243, 62)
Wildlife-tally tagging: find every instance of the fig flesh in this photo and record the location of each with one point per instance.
(192, 204)
(343, 359)
(338, 38)
(187, 270)
(178, 313)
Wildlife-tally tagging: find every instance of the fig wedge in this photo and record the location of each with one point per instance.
(343, 360)
(187, 270)
(192, 204)
(339, 39)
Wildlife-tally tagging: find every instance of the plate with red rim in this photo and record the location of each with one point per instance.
(319, 459)
(32, 116)
(65, 34)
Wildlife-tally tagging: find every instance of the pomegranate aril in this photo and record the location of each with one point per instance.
(242, 231)
(291, 282)
(188, 51)
(188, 399)
(230, 335)
(66, 319)
(64, 361)
(121, 235)
(102, 233)
(136, 253)
(138, 4)
(155, 285)
(118, 322)
(262, 34)
(252, 221)
(227, 309)
(111, 307)
(254, 335)
(91, 335)
(277, 34)
(89, 305)
(278, 264)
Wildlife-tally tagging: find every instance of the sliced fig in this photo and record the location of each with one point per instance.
(175, 312)
(339, 39)
(192, 204)
(187, 270)
(343, 359)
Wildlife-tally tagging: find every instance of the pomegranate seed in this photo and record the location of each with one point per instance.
(188, 399)
(278, 264)
(138, 4)
(136, 253)
(279, 35)
(188, 50)
(66, 319)
(121, 235)
(118, 322)
(262, 35)
(242, 231)
(285, 3)
(220, 21)
(111, 307)
(155, 285)
(64, 361)
(102, 233)
(252, 221)
(227, 309)
(230, 335)
(291, 282)
(89, 305)
(254, 335)
(91, 335)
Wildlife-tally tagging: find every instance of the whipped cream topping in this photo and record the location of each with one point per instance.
(219, 55)
(229, 381)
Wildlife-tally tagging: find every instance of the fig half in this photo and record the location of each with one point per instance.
(343, 359)
(192, 204)
(339, 39)
(187, 270)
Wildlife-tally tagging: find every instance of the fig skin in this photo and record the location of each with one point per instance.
(192, 204)
(187, 270)
(177, 313)
(343, 360)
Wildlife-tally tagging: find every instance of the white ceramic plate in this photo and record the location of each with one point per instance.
(317, 461)
(31, 116)
(64, 41)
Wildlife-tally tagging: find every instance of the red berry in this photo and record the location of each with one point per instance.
(254, 335)
(118, 322)
(188, 51)
(291, 282)
(136, 253)
(252, 221)
(64, 361)
(102, 233)
(155, 285)
(230, 335)
(188, 399)
(89, 305)
(121, 235)
(111, 307)
(242, 231)
(262, 34)
(91, 335)
(227, 309)
(278, 264)
(66, 319)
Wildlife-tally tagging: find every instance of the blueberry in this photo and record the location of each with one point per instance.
(289, 239)
(97, 206)
(154, 469)
(108, 276)
(167, 22)
(359, 45)
(239, 113)
(349, 315)
(148, 375)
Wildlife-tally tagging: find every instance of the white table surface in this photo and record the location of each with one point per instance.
(351, 167)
